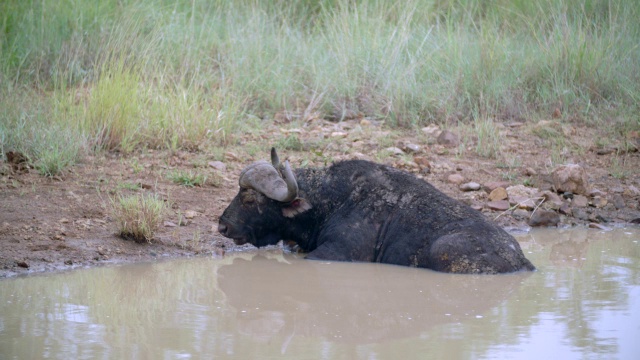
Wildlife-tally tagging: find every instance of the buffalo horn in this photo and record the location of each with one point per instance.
(264, 177)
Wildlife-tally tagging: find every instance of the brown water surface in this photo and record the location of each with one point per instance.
(583, 302)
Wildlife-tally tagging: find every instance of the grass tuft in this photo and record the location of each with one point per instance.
(138, 216)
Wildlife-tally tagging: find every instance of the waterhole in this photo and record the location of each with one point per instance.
(582, 302)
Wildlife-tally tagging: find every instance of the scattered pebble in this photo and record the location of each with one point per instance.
(455, 179)
(448, 139)
(498, 193)
(470, 186)
(500, 205)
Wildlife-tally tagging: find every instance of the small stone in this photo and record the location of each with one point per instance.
(565, 209)
(634, 190)
(218, 165)
(544, 218)
(394, 150)
(598, 226)
(599, 201)
(618, 201)
(231, 156)
(22, 264)
(476, 206)
(64, 220)
(470, 186)
(412, 148)
(448, 139)
(580, 201)
(595, 192)
(190, 214)
(431, 130)
(492, 185)
(520, 214)
(500, 205)
(522, 202)
(455, 179)
(498, 193)
(339, 134)
(169, 224)
(68, 262)
(552, 198)
(580, 213)
(422, 162)
(572, 178)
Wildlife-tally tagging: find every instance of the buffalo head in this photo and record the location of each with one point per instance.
(268, 196)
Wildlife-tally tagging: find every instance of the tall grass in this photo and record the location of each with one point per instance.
(184, 73)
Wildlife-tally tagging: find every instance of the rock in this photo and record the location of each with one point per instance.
(470, 186)
(394, 150)
(522, 202)
(422, 161)
(500, 205)
(190, 214)
(448, 139)
(455, 179)
(565, 209)
(498, 193)
(552, 198)
(169, 224)
(572, 178)
(339, 134)
(231, 156)
(580, 201)
(595, 192)
(598, 226)
(580, 213)
(520, 214)
(599, 201)
(492, 185)
(618, 201)
(218, 165)
(522, 196)
(22, 264)
(431, 130)
(544, 218)
(412, 148)
(634, 191)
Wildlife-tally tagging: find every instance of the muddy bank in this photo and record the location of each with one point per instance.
(54, 224)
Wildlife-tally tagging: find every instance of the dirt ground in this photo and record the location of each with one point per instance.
(65, 222)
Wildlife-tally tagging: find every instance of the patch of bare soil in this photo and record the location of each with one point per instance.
(54, 224)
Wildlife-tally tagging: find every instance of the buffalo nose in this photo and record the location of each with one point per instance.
(222, 228)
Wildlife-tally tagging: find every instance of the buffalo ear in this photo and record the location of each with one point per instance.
(296, 207)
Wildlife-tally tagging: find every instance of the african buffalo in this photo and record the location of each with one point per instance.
(362, 211)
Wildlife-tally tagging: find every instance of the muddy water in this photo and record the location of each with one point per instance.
(583, 302)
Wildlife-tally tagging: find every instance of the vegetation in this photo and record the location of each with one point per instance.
(138, 216)
(117, 75)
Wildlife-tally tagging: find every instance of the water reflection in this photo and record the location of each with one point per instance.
(358, 304)
(583, 302)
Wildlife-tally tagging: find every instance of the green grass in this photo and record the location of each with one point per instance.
(138, 216)
(119, 75)
(187, 178)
